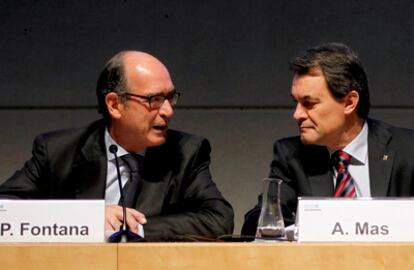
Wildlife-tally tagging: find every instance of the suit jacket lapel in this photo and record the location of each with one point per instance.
(322, 185)
(151, 185)
(381, 158)
(90, 167)
(160, 164)
(318, 168)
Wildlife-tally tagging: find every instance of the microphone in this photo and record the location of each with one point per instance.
(124, 234)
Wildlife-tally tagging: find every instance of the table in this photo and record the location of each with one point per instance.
(51, 256)
(216, 256)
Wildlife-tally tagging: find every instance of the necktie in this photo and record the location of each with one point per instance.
(130, 189)
(344, 182)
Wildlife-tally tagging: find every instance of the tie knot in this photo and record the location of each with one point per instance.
(133, 161)
(341, 157)
(345, 186)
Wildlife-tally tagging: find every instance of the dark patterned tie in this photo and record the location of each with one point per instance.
(344, 182)
(130, 189)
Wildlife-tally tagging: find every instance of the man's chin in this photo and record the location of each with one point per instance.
(158, 140)
(307, 139)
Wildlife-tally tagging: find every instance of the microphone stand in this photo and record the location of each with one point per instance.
(124, 234)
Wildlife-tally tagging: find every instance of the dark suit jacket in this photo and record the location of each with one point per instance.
(177, 194)
(306, 170)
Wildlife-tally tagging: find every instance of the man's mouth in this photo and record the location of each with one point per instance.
(160, 127)
(305, 127)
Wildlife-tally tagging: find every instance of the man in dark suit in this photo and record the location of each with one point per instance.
(174, 194)
(330, 89)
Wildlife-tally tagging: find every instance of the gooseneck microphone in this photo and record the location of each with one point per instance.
(124, 234)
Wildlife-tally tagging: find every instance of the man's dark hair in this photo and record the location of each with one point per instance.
(111, 79)
(341, 68)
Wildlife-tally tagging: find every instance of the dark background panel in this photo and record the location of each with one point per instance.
(230, 58)
(220, 53)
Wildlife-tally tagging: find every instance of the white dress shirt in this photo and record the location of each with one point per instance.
(112, 193)
(359, 165)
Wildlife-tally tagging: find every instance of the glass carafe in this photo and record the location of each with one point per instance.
(270, 225)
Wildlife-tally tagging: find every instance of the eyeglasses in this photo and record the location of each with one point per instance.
(156, 101)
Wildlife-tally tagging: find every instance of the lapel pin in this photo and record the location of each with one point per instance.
(385, 157)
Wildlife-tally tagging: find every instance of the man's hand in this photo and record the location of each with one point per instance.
(113, 218)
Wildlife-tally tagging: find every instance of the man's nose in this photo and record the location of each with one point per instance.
(299, 112)
(166, 109)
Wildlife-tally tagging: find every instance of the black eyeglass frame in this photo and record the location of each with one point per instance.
(156, 104)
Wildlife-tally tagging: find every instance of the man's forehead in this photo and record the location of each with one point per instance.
(308, 82)
(141, 64)
(148, 78)
(142, 69)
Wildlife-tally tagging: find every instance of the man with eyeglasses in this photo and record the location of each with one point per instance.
(174, 195)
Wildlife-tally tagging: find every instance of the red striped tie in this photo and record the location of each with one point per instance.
(344, 183)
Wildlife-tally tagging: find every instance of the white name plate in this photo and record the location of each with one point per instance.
(355, 220)
(52, 220)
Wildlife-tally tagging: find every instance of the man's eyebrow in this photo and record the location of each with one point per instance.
(160, 93)
(308, 98)
(304, 98)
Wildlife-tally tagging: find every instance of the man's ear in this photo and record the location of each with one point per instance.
(114, 105)
(351, 101)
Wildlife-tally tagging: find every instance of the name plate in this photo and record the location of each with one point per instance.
(52, 220)
(355, 220)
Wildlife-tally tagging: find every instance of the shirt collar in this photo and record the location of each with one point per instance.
(358, 147)
(121, 151)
